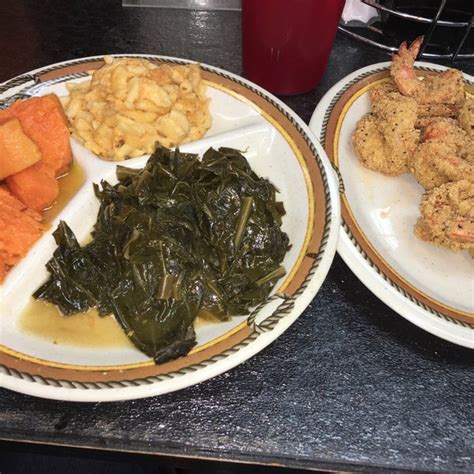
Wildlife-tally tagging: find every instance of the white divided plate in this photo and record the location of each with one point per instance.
(430, 286)
(279, 146)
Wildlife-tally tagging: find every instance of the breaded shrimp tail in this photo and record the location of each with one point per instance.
(444, 88)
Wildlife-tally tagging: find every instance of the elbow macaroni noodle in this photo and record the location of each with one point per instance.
(129, 105)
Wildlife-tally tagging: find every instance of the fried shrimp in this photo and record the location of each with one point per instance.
(447, 216)
(426, 112)
(466, 117)
(446, 87)
(436, 163)
(446, 154)
(385, 139)
(405, 108)
(449, 132)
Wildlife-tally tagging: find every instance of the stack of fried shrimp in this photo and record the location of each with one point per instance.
(425, 126)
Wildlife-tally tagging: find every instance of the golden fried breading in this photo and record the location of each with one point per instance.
(396, 111)
(437, 110)
(378, 92)
(369, 146)
(436, 163)
(447, 87)
(448, 131)
(466, 117)
(385, 140)
(426, 112)
(429, 112)
(447, 154)
(447, 216)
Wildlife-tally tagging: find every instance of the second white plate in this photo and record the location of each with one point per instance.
(431, 287)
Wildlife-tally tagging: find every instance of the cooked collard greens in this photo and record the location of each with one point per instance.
(172, 239)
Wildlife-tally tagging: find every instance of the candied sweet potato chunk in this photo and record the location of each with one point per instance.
(17, 150)
(35, 186)
(44, 121)
(19, 230)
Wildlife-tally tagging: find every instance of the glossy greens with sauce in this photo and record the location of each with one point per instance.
(179, 236)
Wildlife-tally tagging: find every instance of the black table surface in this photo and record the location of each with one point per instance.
(351, 385)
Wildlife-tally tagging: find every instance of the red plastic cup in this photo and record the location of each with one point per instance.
(286, 43)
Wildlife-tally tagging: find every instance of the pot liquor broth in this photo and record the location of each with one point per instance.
(44, 320)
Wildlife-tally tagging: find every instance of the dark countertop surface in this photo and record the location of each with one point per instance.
(351, 385)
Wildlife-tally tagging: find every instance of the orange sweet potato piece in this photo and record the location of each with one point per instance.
(8, 199)
(35, 215)
(20, 228)
(35, 186)
(3, 269)
(18, 232)
(44, 121)
(5, 115)
(17, 150)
